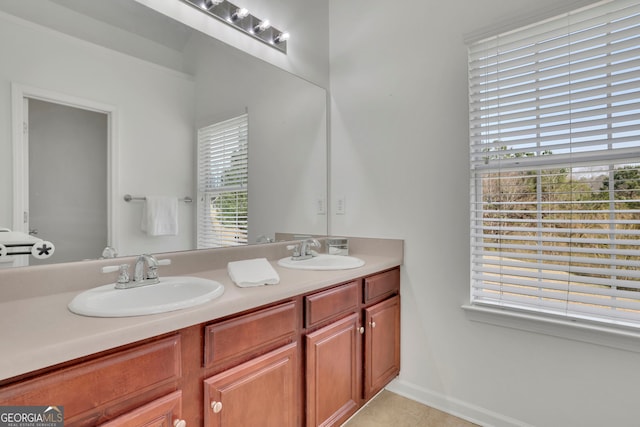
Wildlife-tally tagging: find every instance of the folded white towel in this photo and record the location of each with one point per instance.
(160, 216)
(252, 272)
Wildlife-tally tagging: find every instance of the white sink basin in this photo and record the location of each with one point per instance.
(171, 293)
(323, 262)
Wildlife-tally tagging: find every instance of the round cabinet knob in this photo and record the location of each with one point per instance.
(361, 330)
(372, 324)
(216, 406)
(179, 423)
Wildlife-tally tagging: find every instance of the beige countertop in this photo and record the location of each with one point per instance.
(39, 331)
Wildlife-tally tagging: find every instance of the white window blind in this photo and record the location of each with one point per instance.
(222, 183)
(555, 166)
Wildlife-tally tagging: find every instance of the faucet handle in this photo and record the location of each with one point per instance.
(110, 268)
(152, 272)
(295, 249)
(123, 276)
(123, 269)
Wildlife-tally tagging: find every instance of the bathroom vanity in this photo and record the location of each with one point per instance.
(308, 351)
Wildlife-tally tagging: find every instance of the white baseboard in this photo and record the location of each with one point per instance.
(456, 407)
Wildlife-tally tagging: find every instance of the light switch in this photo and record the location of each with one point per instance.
(341, 206)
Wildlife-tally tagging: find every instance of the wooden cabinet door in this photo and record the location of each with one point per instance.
(333, 372)
(382, 345)
(260, 392)
(163, 412)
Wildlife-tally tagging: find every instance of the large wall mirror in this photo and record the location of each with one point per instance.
(147, 82)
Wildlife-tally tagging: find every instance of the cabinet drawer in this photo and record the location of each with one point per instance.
(98, 389)
(251, 334)
(331, 303)
(380, 286)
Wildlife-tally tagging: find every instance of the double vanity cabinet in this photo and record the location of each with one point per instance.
(309, 360)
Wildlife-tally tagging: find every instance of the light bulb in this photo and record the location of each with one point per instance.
(240, 13)
(262, 26)
(208, 4)
(282, 37)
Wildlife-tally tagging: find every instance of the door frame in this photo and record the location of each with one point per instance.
(19, 93)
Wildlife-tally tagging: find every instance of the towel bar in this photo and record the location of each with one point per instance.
(129, 197)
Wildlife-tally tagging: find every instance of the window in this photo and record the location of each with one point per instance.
(222, 183)
(555, 166)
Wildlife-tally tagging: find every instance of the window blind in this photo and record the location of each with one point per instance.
(554, 114)
(223, 175)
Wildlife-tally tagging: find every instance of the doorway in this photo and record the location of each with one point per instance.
(67, 179)
(63, 174)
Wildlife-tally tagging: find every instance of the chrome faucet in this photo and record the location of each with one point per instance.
(109, 252)
(151, 275)
(140, 276)
(304, 250)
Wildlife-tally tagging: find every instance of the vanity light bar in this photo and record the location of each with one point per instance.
(241, 19)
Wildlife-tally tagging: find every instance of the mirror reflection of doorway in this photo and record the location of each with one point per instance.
(68, 179)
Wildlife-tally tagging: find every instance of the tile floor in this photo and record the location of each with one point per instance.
(388, 409)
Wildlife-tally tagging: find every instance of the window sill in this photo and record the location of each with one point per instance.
(618, 338)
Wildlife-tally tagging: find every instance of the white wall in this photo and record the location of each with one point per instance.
(399, 132)
(154, 120)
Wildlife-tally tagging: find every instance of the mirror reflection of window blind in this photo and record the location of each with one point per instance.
(223, 174)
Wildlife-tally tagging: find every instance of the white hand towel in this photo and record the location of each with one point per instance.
(252, 272)
(160, 216)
